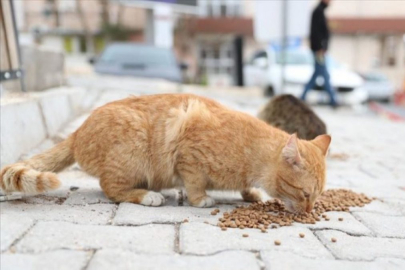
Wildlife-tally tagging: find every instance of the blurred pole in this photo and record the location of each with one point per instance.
(238, 58)
(150, 27)
(284, 43)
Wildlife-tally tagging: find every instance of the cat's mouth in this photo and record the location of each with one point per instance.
(290, 207)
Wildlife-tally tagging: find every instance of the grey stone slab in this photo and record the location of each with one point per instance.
(45, 145)
(125, 260)
(88, 214)
(384, 226)
(60, 259)
(358, 248)
(12, 227)
(279, 260)
(381, 192)
(202, 239)
(72, 126)
(134, 214)
(45, 236)
(381, 207)
(86, 196)
(349, 224)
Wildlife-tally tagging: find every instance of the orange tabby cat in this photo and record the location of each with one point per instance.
(140, 145)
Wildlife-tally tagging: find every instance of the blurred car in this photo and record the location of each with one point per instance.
(378, 86)
(265, 70)
(132, 59)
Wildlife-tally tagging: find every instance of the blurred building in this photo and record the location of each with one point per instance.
(370, 36)
(77, 26)
(206, 41)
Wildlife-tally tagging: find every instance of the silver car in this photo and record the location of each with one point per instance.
(132, 59)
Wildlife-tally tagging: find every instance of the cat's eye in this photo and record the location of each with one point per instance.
(306, 195)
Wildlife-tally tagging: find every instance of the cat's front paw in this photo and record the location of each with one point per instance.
(153, 199)
(205, 202)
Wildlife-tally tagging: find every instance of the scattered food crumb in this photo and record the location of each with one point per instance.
(302, 235)
(277, 242)
(333, 239)
(340, 219)
(223, 228)
(186, 220)
(273, 214)
(245, 235)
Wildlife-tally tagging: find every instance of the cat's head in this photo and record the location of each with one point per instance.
(300, 177)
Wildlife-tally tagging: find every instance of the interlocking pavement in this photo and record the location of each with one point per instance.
(77, 227)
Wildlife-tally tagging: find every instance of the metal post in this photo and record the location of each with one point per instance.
(284, 43)
(20, 72)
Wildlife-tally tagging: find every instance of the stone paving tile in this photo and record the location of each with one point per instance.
(45, 236)
(124, 260)
(202, 239)
(45, 145)
(349, 224)
(85, 196)
(384, 226)
(60, 259)
(381, 207)
(88, 214)
(134, 214)
(12, 227)
(70, 179)
(397, 204)
(278, 260)
(361, 247)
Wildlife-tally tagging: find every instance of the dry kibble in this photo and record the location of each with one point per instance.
(333, 240)
(223, 228)
(186, 220)
(272, 214)
(245, 235)
(206, 222)
(277, 242)
(302, 235)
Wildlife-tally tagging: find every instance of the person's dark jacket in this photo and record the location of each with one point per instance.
(319, 29)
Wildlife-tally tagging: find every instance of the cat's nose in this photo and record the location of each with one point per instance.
(308, 208)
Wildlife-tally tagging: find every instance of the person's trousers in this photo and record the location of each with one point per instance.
(320, 70)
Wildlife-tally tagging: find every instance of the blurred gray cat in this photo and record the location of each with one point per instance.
(292, 115)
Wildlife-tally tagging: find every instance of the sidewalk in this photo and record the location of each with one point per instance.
(76, 227)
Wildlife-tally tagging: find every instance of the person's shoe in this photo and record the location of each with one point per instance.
(335, 106)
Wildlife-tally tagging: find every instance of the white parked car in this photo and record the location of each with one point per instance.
(378, 86)
(265, 70)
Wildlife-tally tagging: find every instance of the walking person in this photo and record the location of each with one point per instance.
(319, 39)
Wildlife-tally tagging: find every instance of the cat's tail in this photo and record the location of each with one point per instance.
(35, 175)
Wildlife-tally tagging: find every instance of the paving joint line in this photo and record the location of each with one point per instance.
(177, 238)
(92, 253)
(15, 242)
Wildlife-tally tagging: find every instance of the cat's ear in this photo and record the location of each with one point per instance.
(290, 151)
(322, 142)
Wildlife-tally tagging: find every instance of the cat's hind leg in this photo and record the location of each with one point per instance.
(251, 195)
(195, 184)
(122, 190)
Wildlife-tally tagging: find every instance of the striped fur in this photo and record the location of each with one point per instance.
(36, 174)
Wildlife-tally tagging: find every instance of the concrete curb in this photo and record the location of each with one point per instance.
(28, 119)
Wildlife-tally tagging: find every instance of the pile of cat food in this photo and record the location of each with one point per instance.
(262, 215)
